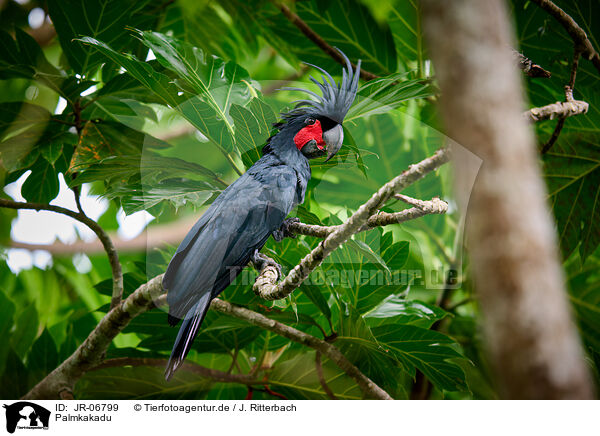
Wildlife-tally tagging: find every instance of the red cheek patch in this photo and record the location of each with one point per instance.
(307, 133)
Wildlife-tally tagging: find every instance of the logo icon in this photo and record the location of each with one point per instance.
(26, 415)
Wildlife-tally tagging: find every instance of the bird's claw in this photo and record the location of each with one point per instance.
(260, 261)
(284, 230)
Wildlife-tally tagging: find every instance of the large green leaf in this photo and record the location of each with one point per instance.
(208, 25)
(219, 83)
(358, 344)
(43, 357)
(427, 350)
(140, 382)
(346, 24)
(204, 91)
(25, 330)
(387, 93)
(41, 186)
(572, 170)
(398, 310)
(7, 311)
(106, 20)
(297, 378)
(252, 128)
(366, 276)
(14, 380)
(404, 19)
(584, 293)
(17, 116)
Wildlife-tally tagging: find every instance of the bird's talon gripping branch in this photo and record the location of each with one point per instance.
(284, 231)
(261, 262)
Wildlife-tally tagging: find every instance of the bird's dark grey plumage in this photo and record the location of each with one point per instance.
(245, 214)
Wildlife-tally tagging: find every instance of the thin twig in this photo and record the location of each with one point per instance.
(578, 35)
(529, 68)
(266, 285)
(568, 97)
(320, 42)
(380, 219)
(322, 380)
(113, 257)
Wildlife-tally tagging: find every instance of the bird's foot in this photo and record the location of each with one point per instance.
(260, 261)
(284, 230)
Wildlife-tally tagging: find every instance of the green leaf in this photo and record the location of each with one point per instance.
(297, 378)
(368, 254)
(572, 170)
(398, 310)
(160, 84)
(217, 89)
(219, 83)
(43, 357)
(404, 19)
(7, 311)
(141, 382)
(131, 282)
(105, 20)
(387, 93)
(364, 277)
(129, 112)
(25, 331)
(107, 139)
(14, 380)
(41, 186)
(17, 116)
(584, 293)
(427, 350)
(346, 24)
(252, 128)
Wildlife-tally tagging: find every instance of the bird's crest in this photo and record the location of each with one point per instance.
(337, 97)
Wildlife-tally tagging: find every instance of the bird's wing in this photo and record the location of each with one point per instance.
(219, 246)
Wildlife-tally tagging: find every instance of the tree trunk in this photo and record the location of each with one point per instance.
(533, 343)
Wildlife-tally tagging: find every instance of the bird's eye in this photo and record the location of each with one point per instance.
(309, 121)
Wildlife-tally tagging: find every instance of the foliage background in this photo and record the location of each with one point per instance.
(415, 337)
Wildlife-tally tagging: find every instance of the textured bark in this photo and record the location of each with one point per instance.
(528, 67)
(560, 109)
(533, 343)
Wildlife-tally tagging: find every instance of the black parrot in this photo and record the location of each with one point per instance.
(238, 223)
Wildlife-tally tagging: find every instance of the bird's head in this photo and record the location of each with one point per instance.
(315, 125)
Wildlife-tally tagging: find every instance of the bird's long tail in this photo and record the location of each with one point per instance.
(187, 334)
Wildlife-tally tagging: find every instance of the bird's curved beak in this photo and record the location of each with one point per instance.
(333, 138)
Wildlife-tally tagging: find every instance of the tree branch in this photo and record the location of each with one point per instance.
(578, 35)
(319, 368)
(90, 353)
(113, 257)
(568, 97)
(528, 67)
(320, 42)
(380, 219)
(266, 285)
(560, 109)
